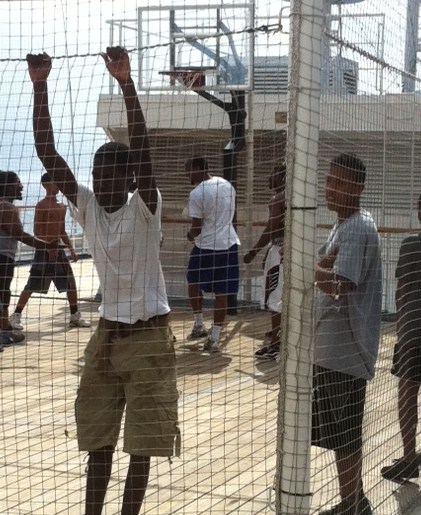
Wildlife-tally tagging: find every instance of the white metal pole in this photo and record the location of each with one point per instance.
(411, 44)
(250, 152)
(294, 422)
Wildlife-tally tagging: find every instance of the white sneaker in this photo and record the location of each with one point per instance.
(15, 321)
(211, 345)
(76, 320)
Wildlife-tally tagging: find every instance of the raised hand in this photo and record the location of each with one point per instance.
(117, 63)
(39, 66)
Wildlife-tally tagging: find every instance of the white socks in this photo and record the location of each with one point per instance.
(216, 332)
(198, 319)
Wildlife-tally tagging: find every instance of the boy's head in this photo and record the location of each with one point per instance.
(112, 173)
(50, 187)
(10, 186)
(196, 169)
(345, 182)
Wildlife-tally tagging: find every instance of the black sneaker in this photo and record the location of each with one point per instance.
(268, 352)
(347, 507)
(8, 338)
(198, 332)
(401, 470)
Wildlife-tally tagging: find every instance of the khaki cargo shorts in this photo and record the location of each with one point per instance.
(129, 367)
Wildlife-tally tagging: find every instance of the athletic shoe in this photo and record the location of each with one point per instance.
(269, 338)
(15, 321)
(268, 352)
(8, 338)
(198, 331)
(361, 507)
(76, 320)
(211, 345)
(401, 470)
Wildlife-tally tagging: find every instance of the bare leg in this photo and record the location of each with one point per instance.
(349, 467)
(196, 298)
(23, 301)
(72, 298)
(408, 416)
(276, 319)
(136, 483)
(4, 319)
(220, 309)
(99, 473)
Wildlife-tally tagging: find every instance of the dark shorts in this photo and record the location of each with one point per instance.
(407, 351)
(131, 369)
(338, 410)
(7, 267)
(215, 271)
(47, 268)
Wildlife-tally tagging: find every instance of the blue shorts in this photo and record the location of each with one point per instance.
(215, 271)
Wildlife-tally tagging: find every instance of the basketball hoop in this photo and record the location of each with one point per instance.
(192, 79)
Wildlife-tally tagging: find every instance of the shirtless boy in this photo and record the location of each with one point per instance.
(50, 265)
(272, 235)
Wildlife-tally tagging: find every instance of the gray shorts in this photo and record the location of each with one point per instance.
(50, 267)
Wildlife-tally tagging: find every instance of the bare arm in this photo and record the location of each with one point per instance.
(117, 62)
(10, 223)
(195, 229)
(39, 67)
(66, 240)
(274, 227)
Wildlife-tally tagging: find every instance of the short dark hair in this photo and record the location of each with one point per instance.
(115, 153)
(45, 177)
(197, 163)
(353, 165)
(6, 178)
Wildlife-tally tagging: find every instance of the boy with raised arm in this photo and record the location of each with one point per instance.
(129, 361)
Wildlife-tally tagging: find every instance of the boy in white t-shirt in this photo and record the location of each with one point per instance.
(129, 360)
(213, 264)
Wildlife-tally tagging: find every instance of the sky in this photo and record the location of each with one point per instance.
(75, 31)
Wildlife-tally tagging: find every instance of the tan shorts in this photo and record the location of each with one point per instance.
(130, 367)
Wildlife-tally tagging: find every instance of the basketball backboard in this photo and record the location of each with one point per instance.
(208, 37)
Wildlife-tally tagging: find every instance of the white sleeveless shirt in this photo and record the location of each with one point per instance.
(125, 247)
